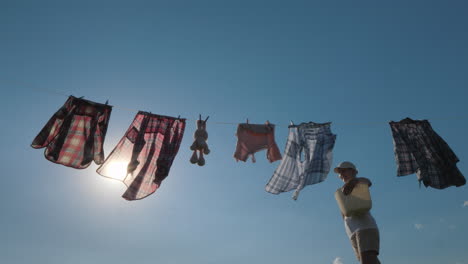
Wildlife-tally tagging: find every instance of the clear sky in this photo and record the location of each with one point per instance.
(358, 64)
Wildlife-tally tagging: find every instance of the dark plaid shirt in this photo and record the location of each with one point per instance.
(419, 149)
(74, 136)
(148, 150)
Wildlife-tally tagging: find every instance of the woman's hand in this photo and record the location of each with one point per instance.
(349, 186)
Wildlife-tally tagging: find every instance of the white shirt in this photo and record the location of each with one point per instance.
(356, 223)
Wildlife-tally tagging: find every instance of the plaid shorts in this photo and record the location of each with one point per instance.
(316, 142)
(147, 151)
(419, 149)
(74, 136)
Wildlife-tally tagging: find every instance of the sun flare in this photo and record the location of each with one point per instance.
(117, 170)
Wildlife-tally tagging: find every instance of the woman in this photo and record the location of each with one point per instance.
(362, 229)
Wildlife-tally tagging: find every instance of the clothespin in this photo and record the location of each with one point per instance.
(178, 118)
(247, 120)
(199, 117)
(295, 194)
(291, 122)
(107, 101)
(207, 118)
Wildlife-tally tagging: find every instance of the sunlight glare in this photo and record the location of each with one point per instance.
(118, 170)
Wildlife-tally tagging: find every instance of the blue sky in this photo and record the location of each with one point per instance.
(358, 64)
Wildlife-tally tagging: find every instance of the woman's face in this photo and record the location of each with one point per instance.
(346, 174)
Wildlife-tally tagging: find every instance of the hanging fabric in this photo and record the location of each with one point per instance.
(147, 149)
(74, 136)
(315, 143)
(252, 138)
(419, 149)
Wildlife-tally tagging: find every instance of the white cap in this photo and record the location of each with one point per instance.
(345, 165)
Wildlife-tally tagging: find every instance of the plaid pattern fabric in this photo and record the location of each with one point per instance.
(147, 150)
(316, 142)
(419, 149)
(74, 136)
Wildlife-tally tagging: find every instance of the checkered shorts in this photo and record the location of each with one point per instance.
(74, 136)
(419, 149)
(147, 151)
(316, 142)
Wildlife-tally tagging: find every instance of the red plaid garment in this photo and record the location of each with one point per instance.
(147, 150)
(74, 136)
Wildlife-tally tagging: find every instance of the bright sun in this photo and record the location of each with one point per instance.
(117, 170)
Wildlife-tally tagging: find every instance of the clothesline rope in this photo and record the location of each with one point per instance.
(54, 92)
(129, 109)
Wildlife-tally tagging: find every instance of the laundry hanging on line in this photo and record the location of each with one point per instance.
(252, 138)
(148, 148)
(419, 149)
(74, 135)
(315, 141)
